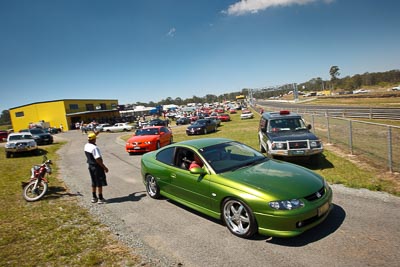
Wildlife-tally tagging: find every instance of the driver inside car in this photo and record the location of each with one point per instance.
(196, 163)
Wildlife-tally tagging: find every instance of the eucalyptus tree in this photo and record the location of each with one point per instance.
(334, 72)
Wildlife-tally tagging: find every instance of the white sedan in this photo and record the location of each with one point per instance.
(246, 114)
(118, 127)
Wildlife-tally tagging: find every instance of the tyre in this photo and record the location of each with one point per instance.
(152, 188)
(8, 154)
(205, 131)
(171, 140)
(239, 218)
(32, 194)
(158, 145)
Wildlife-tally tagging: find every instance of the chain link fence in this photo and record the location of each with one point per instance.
(379, 144)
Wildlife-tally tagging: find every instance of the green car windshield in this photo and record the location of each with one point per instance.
(231, 156)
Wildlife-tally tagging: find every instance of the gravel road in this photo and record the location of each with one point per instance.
(362, 230)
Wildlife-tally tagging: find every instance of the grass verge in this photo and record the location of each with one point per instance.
(54, 231)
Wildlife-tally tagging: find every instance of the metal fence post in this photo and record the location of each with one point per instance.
(350, 137)
(390, 149)
(312, 122)
(327, 126)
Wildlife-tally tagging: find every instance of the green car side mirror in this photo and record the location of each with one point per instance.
(197, 170)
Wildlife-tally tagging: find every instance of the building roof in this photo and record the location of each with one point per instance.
(73, 99)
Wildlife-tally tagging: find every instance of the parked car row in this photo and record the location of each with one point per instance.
(28, 140)
(40, 136)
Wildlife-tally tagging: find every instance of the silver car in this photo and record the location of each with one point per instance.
(20, 143)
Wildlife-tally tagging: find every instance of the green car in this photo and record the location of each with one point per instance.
(228, 180)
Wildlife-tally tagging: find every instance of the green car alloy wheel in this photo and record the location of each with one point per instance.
(239, 218)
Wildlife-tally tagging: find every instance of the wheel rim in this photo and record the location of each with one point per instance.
(237, 217)
(31, 194)
(151, 185)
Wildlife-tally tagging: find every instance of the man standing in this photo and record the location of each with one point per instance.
(97, 169)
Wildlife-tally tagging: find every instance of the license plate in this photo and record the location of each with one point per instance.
(298, 152)
(136, 148)
(323, 209)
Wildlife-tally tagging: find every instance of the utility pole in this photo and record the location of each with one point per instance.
(295, 92)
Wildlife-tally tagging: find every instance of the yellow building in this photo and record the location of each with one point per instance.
(65, 113)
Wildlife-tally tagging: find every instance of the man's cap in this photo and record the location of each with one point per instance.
(91, 136)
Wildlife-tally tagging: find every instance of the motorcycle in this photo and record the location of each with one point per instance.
(37, 185)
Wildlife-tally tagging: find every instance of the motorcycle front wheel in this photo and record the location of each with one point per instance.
(31, 193)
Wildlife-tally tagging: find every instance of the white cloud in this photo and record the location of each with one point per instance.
(253, 6)
(171, 32)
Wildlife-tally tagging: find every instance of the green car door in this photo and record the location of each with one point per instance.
(191, 187)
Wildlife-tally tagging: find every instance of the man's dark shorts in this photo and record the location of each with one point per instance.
(98, 176)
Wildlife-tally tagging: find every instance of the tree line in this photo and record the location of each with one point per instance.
(348, 83)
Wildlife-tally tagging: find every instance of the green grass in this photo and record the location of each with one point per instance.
(54, 231)
(5, 127)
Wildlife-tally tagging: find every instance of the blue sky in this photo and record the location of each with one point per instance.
(148, 50)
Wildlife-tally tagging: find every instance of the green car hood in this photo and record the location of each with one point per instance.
(279, 180)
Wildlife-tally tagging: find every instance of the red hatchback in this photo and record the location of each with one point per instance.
(149, 139)
(224, 117)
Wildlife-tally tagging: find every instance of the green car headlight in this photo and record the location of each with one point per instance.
(286, 204)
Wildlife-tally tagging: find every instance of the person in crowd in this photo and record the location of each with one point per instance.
(97, 169)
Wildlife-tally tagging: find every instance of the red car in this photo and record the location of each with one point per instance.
(3, 135)
(149, 139)
(224, 117)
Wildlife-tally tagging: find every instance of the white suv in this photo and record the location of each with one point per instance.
(19, 143)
